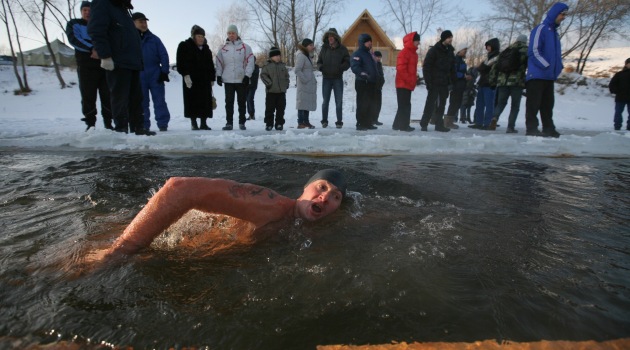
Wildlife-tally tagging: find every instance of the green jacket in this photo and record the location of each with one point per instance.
(516, 78)
(275, 76)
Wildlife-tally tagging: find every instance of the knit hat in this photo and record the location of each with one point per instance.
(139, 15)
(232, 29)
(332, 30)
(445, 35)
(627, 60)
(463, 46)
(522, 38)
(197, 30)
(306, 42)
(416, 37)
(85, 4)
(274, 51)
(378, 54)
(333, 176)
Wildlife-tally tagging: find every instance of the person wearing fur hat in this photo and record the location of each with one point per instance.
(620, 87)
(275, 76)
(438, 69)
(332, 61)
(306, 96)
(544, 65)
(366, 74)
(235, 65)
(406, 77)
(92, 78)
(510, 83)
(484, 108)
(117, 43)
(459, 86)
(196, 66)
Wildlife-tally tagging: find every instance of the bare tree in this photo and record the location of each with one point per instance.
(323, 11)
(62, 12)
(270, 17)
(40, 9)
(7, 12)
(236, 14)
(414, 15)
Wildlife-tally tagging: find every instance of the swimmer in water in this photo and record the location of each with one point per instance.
(254, 204)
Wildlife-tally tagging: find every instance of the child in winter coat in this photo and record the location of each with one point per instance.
(275, 76)
(468, 99)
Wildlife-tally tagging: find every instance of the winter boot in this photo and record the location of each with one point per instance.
(242, 127)
(204, 125)
(193, 124)
(339, 125)
(493, 124)
(324, 125)
(432, 121)
(228, 127)
(449, 122)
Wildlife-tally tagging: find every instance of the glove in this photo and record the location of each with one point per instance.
(188, 81)
(246, 80)
(163, 77)
(220, 81)
(107, 64)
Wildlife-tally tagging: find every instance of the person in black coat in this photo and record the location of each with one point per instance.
(195, 64)
(439, 72)
(484, 110)
(620, 86)
(251, 93)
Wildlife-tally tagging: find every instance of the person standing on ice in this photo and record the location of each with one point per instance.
(544, 65)
(484, 109)
(332, 61)
(620, 86)
(364, 67)
(155, 73)
(117, 43)
(438, 70)
(235, 65)
(378, 56)
(92, 78)
(306, 96)
(459, 86)
(406, 77)
(195, 64)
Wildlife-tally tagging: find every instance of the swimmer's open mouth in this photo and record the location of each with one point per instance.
(316, 208)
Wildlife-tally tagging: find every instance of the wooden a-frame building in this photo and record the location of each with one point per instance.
(365, 23)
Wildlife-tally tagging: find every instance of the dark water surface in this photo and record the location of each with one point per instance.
(427, 249)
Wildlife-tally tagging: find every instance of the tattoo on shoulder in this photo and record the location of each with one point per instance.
(244, 191)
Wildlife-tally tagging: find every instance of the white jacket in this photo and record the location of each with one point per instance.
(234, 61)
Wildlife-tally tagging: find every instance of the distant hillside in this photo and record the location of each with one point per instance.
(602, 63)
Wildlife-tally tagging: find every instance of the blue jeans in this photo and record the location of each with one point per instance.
(328, 86)
(303, 117)
(503, 93)
(619, 106)
(485, 106)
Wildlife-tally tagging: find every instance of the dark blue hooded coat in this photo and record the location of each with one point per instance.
(544, 55)
(363, 64)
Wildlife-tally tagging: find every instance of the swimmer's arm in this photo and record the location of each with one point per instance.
(256, 204)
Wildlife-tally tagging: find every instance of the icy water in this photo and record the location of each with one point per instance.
(426, 249)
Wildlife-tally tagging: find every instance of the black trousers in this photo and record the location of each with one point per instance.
(540, 98)
(366, 102)
(456, 97)
(275, 103)
(93, 82)
(436, 103)
(403, 114)
(379, 102)
(126, 96)
(241, 98)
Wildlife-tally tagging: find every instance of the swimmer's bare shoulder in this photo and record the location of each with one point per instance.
(256, 204)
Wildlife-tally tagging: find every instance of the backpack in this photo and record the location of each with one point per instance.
(509, 60)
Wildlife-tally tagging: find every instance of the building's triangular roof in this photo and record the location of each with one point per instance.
(58, 47)
(367, 16)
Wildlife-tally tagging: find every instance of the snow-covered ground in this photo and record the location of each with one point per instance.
(49, 118)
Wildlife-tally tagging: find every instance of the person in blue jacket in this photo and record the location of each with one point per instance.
(544, 65)
(363, 65)
(155, 73)
(117, 43)
(92, 80)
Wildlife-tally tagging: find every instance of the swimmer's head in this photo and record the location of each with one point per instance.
(333, 176)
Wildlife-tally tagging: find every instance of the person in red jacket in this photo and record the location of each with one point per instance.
(406, 77)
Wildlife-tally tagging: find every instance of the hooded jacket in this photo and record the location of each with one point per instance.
(332, 61)
(620, 86)
(234, 61)
(363, 65)
(114, 34)
(544, 52)
(407, 64)
(485, 66)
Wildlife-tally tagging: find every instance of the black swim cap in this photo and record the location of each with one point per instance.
(333, 176)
